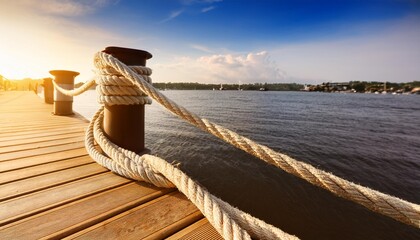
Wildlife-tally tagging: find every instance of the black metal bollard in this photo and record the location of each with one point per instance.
(48, 91)
(124, 124)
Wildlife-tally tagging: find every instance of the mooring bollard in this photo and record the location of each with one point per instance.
(48, 90)
(63, 104)
(124, 124)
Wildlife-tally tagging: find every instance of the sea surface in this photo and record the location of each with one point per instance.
(373, 140)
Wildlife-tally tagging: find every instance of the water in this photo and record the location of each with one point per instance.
(373, 140)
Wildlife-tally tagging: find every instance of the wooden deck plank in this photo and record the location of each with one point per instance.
(33, 184)
(27, 133)
(38, 118)
(34, 139)
(176, 226)
(34, 123)
(40, 169)
(46, 157)
(18, 208)
(37, 145)
(200, 230)
(165, 212)
(40, 151)
(46, 126)
(85, 213)
(59, 132)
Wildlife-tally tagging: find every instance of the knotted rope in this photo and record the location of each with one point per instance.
(112, 72)
(114, 89)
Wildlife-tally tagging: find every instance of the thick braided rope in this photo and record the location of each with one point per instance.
(74, 92)
(396, 208)
(112, 88)
(221, 215)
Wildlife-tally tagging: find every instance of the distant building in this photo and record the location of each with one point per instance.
(306, 88)
(340, 86)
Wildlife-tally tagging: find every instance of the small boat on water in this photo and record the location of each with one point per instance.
(239, 86)
(221, 87)
(384, 91)
(263, 89)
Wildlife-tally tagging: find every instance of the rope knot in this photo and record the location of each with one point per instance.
(114, 89)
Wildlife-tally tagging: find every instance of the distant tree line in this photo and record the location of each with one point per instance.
(245, 87)
(26, 84)
(29, 84)
(362, 86)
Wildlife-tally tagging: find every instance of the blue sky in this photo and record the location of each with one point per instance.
(219, 41)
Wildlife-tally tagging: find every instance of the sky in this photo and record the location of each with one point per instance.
(218, 41)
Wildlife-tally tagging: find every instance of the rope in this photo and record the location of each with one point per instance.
(396, 208)
(221, 215)
(75, 92)
(112, 88)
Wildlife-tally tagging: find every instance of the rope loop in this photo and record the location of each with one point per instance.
(115, 89)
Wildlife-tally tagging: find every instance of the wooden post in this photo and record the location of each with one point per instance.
(124, 124)
(63, 104)
(48, 91)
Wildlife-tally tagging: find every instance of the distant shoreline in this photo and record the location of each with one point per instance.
(227, 87)
(341, 87)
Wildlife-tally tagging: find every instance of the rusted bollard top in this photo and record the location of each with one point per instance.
(129, 56)
(64, 76)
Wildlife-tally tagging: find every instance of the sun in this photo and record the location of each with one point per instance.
(32, 45)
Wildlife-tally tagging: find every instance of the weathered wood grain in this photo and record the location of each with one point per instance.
(51, 189)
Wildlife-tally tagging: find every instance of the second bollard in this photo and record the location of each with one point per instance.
(63, 104)
(48, 90)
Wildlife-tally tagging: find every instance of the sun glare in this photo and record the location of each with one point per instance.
(34, 45)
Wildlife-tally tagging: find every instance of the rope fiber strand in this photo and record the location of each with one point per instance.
(125, 85)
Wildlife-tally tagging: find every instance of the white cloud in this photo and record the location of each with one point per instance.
(65, 7)
(207, 9)
(223, 68)
(189, 2)
(201, 48)
(389, 53)
(172, 15)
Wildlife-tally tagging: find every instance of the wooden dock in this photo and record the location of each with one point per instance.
(51, 189)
